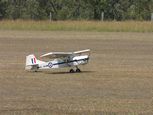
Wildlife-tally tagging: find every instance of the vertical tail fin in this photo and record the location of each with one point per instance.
(31, 62)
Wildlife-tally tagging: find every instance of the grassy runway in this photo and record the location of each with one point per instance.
(118, 79)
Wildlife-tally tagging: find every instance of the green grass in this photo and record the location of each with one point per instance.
(114, 26)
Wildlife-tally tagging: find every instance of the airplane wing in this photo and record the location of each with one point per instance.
(52, 55)
(82, 51)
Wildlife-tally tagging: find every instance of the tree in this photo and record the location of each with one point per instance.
(2, 8)
(13, 9)
(76, 9)
(143, 9)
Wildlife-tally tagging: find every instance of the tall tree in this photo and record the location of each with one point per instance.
(76, 9)
(2, 8)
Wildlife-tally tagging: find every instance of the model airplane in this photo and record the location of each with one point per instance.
(59, 60)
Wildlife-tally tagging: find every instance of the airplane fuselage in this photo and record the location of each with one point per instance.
(64, 62)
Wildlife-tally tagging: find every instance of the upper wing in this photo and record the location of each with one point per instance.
(52, 55)
(82, 51)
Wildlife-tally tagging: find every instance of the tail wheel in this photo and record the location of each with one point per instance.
(78, 70)
(72, 71)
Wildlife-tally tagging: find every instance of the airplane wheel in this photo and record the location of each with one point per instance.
(35, 71)
(78, 70)
(72, 71)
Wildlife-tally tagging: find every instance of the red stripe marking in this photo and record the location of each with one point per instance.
(34, 60)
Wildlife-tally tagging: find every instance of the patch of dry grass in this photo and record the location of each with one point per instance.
(114, 26)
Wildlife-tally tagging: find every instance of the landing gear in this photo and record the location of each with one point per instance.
(35, 71)
(77, 70)
(72, 71)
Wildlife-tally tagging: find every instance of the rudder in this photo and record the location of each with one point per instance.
(31, 62)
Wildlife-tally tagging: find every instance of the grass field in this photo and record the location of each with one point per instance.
(117, 81)
(99, 26)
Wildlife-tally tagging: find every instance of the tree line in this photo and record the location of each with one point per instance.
(76, 9)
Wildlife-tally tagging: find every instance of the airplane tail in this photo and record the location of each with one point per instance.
(32, 62)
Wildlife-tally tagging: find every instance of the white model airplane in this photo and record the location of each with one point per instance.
(59, 60)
